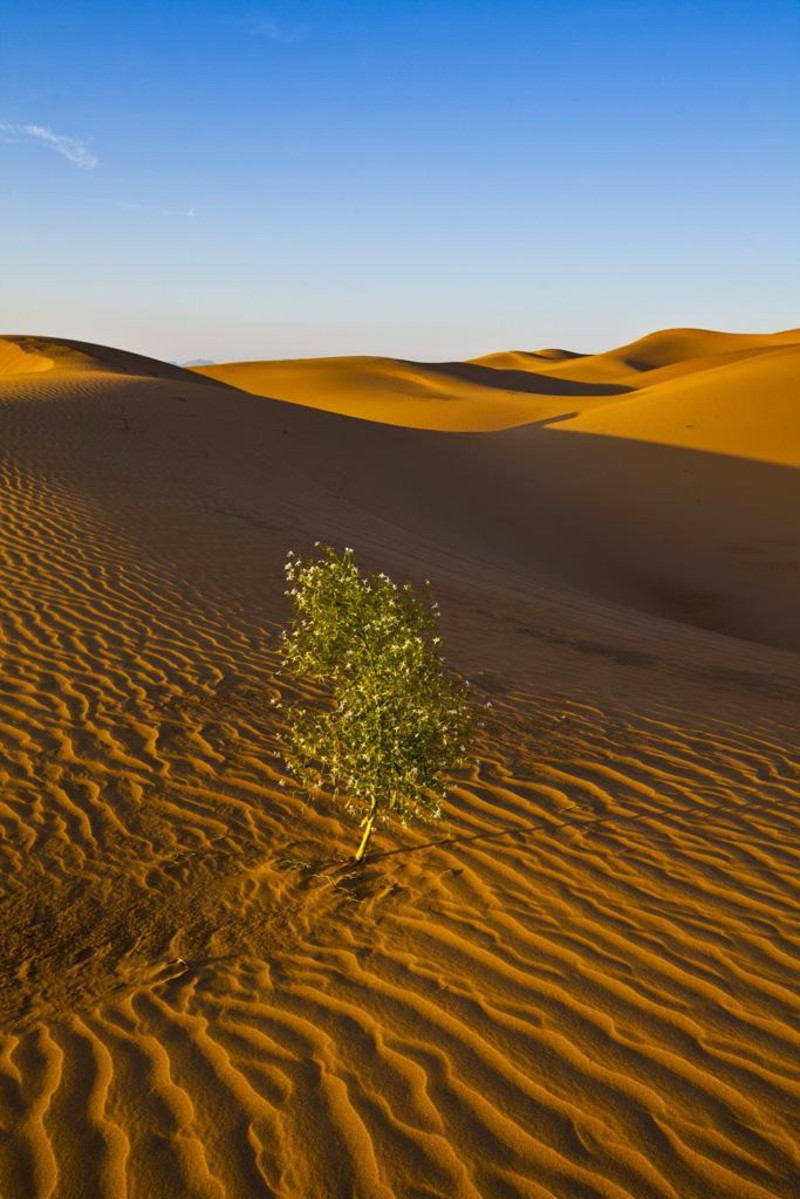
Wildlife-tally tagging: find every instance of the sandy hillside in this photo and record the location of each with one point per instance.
(583, 981)
(698, 431)
(456, 397)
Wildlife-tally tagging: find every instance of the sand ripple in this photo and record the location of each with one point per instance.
(581, 983)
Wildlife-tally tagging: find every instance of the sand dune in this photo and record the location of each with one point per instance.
(693, 522)
(15, 359)
(447, 396)
(525, 359)
(23, 354)
(668, 353)
(498, 391)
(582, 982)
(747, 407)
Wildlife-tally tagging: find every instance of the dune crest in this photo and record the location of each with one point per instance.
(525, 359)
(16, 359)
(38, 353)
(583, 980)
(670, 353)
(501, 391)
(443, 396)
(748, 407)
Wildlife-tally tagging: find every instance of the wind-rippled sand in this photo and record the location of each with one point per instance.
(583, 981)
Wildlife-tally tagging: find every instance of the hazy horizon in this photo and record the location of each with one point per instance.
(427, 181)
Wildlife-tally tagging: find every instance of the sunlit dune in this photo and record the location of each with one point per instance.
(667, 353)
(506, 390)
(748, 407)
(583, 980)
(16, 360)
(448, 396)
(525, 359)
(21, 355)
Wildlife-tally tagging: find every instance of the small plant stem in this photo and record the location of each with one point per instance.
(367, 824)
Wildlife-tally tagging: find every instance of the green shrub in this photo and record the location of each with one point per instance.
(394, 722)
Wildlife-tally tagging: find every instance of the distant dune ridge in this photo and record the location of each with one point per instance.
(501, 391)
(583, 982)
(695, 519)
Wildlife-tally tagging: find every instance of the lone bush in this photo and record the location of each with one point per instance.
(394, 721)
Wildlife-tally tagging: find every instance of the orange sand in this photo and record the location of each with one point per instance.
(466, 397)
(583, 981)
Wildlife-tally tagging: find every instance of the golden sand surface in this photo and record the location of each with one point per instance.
(583, 981)
(454, 397)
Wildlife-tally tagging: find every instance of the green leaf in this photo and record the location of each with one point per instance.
(394, 722)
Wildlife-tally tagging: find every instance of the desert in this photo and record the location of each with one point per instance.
(582, 980)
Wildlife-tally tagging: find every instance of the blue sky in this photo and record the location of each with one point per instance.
(429, 180)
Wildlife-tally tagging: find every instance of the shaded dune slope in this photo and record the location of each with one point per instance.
(581, 983)
(682, 504)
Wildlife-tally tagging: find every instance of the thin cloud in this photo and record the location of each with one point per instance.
(260, 25)
(133, 206)
(72, 148)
